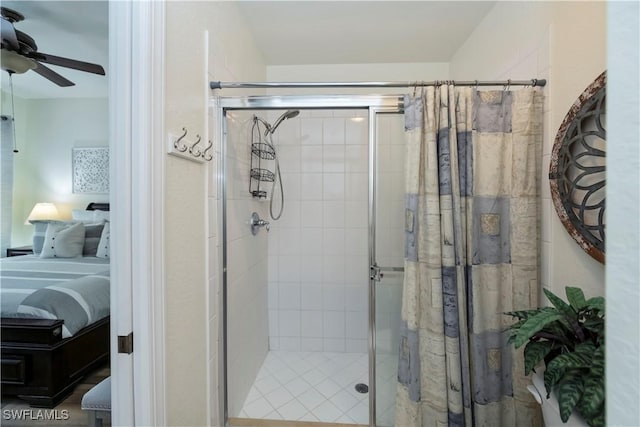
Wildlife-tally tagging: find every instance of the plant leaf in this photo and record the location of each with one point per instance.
(561, 331)
(551, 378)
(586, 349)
(596, 303)
(594, 324)
(559, 304)
(571, 315)
(569, 393)
(598, 420)
(581, 358)
(534, 352)
(535, 324)
(594, 388)
(575, 296)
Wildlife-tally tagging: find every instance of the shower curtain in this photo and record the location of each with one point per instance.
(471, 225)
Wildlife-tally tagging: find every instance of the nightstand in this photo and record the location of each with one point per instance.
(20, 250)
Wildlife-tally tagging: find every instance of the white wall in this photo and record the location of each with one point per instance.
(46, 132)
(193, 302)
(563, 42)
(623, 215)
(355, 72)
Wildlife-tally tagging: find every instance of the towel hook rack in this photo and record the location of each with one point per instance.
(193, 150)
(209, 156)
(178, 144)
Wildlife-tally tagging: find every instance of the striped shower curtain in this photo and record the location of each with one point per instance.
(471, 225)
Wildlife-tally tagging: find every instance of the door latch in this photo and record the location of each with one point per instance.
(375, 273)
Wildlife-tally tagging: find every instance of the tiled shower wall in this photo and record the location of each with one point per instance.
(318, 250)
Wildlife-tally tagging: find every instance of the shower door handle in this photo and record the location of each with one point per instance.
(375, 273)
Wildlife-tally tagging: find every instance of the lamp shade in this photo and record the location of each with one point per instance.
(43, 211)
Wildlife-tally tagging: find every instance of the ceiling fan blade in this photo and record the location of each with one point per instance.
(56, 78)
(66, 62)
(9, 38)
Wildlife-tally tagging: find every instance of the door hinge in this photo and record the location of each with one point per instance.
(125, 344)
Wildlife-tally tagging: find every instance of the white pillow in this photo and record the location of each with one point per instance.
(39, 231)
(63, 241)
(82, 215)
(99, 216)
(103, 246)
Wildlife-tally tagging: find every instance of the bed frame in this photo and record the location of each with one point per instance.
(42, 368)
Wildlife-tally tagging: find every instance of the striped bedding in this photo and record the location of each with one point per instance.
(75, 290)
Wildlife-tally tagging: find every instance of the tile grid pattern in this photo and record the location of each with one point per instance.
(310, 386)
(318, 264)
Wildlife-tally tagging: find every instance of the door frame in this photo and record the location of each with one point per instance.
(374, 104)
(136, 128)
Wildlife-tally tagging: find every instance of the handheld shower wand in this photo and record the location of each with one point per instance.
(289, 114)
(270, 130)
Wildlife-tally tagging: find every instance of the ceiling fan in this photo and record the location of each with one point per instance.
(20, 53)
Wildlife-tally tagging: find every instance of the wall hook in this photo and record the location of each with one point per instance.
(193, 150)
(209, 156)
(178, 144)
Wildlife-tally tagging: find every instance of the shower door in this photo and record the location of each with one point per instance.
(387, 256)
(295, 297)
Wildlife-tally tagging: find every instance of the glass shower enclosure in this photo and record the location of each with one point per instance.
(312, 300)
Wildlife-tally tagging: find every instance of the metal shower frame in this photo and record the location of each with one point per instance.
(374, 104)
(387, 84)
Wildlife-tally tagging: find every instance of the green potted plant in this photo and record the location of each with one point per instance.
(569, 338)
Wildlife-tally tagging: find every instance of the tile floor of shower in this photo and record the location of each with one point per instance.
(320, 386)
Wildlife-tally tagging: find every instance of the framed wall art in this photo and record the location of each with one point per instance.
(577, 170)
(91, 170)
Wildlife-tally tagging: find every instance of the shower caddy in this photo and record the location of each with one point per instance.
(260, 150)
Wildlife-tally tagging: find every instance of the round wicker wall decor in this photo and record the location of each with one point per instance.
(577, 169)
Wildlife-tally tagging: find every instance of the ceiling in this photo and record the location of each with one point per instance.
(72, 29)
(356, 32)
(287, 32)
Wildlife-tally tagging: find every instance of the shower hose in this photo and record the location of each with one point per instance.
(277, 180)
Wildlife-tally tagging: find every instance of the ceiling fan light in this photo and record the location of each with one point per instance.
(16, 63)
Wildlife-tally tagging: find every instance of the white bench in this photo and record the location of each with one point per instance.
(98, 402)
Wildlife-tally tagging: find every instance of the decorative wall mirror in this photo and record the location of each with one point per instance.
(577, 169)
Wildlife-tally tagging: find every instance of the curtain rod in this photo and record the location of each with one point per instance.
(246, 85)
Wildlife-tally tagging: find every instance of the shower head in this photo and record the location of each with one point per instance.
(289, 114)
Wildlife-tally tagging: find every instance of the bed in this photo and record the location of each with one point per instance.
(55, 320)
